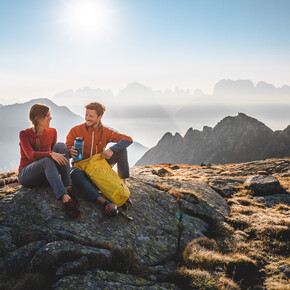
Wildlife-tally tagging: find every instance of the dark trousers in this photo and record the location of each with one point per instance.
(47, 170)
(83, 182)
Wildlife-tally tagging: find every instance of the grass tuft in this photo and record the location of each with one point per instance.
(194, 279)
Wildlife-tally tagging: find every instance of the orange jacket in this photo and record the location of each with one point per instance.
(95, 139)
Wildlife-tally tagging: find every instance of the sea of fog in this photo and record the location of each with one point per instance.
(150, 129)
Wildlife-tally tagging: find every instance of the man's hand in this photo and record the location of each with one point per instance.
(73, 152)
(107, 154)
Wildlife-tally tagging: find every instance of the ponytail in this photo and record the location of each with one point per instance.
(37, 111)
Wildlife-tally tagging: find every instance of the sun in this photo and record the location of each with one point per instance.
(86, 17)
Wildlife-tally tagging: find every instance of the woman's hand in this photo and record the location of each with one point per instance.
(59, 158)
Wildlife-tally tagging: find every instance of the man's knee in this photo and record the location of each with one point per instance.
(119, 156)
(60, 148)
(76, 174)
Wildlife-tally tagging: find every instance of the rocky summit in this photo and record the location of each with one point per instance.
(190, 227)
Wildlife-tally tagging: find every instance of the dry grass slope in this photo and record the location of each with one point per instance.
(250, 250)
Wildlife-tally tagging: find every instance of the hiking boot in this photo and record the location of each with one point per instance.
(73, 196)
(110, 208)
(71, 209)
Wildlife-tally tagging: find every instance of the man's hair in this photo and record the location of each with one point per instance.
(99, 108)
(37, 111)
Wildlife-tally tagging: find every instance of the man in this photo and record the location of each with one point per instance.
(96, 136)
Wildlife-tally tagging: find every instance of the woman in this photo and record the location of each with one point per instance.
(42, 159)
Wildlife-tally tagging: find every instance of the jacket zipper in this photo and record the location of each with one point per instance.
(93, 137)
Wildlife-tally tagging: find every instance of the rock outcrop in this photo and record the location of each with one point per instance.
(232, 140)
(264, 185)
(173, 207)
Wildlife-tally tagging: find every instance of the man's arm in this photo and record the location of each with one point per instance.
(122, 142)
(121, 145)
(116, 137)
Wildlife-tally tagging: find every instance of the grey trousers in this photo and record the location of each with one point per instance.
(47, 170)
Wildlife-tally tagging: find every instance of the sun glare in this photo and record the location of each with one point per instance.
(86, 17)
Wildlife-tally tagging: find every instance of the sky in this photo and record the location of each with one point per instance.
(49, 46)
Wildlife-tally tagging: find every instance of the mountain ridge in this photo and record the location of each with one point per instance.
(221, 87)
(233, 139)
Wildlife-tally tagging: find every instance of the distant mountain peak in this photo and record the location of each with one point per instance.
(206, 129)
(177, 136)
(264, 85)
(166, 137)
(136, 88)
(240, 123)
(232, 87)
(240, 116)
(137, 85)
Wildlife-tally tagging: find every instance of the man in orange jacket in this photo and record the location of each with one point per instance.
(96, 137)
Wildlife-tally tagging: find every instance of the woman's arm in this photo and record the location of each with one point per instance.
(54, 139)
(28, 150)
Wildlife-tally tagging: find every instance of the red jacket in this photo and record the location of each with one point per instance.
(95, 139)
(28, 149)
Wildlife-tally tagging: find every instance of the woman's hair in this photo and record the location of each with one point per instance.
(99, 108)
(37, 111)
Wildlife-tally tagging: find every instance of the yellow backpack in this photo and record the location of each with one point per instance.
(105, 178)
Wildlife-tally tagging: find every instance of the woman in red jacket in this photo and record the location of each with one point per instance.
(42, 159)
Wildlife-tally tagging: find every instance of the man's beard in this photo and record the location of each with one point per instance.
(93, 124)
